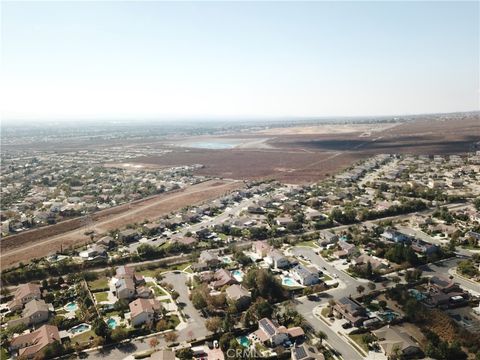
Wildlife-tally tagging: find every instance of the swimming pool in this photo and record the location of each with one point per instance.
(71, 306)
(226, 260)
(80, 328)
(287, 281)
(244, 341)
(112, 323)
(238, 275)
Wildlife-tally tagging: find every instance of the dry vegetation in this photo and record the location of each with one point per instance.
(43, 241)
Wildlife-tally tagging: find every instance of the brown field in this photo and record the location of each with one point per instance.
(43, 241)
(290, 166)
(309, 154)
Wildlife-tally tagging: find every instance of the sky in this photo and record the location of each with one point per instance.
(141, 60)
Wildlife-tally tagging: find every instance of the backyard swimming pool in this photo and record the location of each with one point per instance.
(238, 275)
(80, 328)
(243, 340)
(71, 306)
(226, 260)
(287, 281)
(112, 323)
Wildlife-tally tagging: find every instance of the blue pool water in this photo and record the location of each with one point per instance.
(226, 260)
(112, 323)
(71, 306)
(80, 328)
(244, 341)
(289, 282)
(238, 275)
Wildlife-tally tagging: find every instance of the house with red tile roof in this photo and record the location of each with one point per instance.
(29, 345)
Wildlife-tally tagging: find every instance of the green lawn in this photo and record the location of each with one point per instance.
(83, 337)
(173, 321)
(359, 341)
(310, 243)
(157, 291)
(325, 277)
(99, 284)
(101, 296)
(3, 354)
(154, 271)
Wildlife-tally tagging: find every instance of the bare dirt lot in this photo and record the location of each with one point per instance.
(43, 241)
(290, 166)
(308, 154)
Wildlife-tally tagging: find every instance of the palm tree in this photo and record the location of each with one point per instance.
(360, 289)
(322, 336)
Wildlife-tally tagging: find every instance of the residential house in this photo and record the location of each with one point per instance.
(23, 294)
(443, 284)
(240, 296)
(127, 282)
(304, 276)
(125, 288)
(394, 338)
(424, 247)
(207, 259)
(93, 252)
(284, 220)
(32, 344)
(376, 263)
(445, 293)
(270, 333)
(163, 355)
(350, 310)
(128, 235)
(35, 312)
(144, 311)
(106, 241)
(261, 248)
(306, 352)
(255, 210)
(346, 249)
(223, 277)
(395, 236)
(277, 260)
(327, 237)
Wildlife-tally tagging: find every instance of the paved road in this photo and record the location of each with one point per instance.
(305, 307)
(195, 322)
(195, 325)
(443, 268)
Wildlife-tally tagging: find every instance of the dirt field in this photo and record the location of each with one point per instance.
(43, 241)
(309, 154)
(290, 166)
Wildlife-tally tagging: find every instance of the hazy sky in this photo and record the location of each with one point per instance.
(160, 59)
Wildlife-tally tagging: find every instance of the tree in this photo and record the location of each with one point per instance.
(101, 328)
(322, 336)
(214, 324)
(153, 343)
(162, 325)
(360, 289)
(184, 354)
(171, 337)
(174, 295)
(119, 334)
